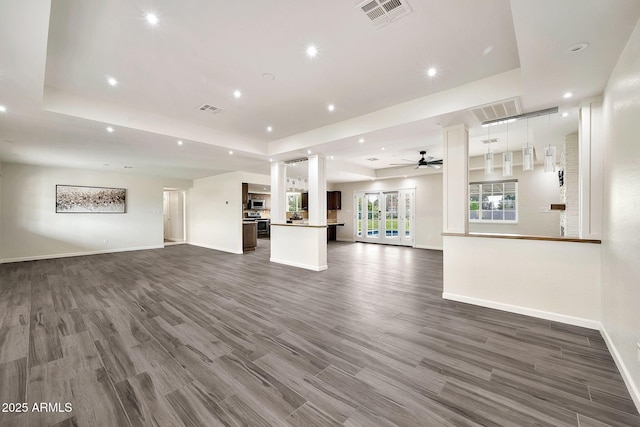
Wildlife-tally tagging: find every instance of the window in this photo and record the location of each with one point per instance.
(294, 202)
(495, 202)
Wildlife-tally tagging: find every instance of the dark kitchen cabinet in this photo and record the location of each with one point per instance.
(304, 201)
(334, 200)
(245, 195)
(249, 236)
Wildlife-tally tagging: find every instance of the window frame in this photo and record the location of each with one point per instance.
(480, 210)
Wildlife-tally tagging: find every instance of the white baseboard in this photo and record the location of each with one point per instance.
(299, 265)
(344, 240)
(72, 254)
(215, 248)
(622, 367)
(547, 315)
(434, 248)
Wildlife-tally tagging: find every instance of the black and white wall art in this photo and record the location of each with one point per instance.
(80, 199)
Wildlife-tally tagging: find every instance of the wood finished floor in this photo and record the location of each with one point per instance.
(190, 336)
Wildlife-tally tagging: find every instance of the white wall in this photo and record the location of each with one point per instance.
(31, 229)
(428, 222)
(536, 191)
(554, 280)
(621, 219)
(214, 212)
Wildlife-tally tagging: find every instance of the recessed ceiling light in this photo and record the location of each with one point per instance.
(3, 109)
(110, 129)
(112, 81)
(432, 72)
(237, 93)
(361, 140)
(565, 114)
(268, 76)
(331, 157)
(405, 176)
(269, 129)
(152, 18)
(180, 143)
(230, 153)
(567, 95)
(382, 148)
(576, 48)
(312, 51)
(308, 151)
(331, 107)
(270, 160)
(264, 188)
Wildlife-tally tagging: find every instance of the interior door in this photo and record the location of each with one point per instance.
(166, 210)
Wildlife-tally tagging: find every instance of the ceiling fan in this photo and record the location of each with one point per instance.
(429, 162)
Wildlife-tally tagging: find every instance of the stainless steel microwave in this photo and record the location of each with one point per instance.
(257, 204)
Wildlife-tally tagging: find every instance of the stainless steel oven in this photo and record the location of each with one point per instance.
(263, 226)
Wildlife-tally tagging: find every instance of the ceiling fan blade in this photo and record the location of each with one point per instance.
(407, 160)
(399, 164)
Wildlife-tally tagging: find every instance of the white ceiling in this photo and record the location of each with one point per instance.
(56, 58)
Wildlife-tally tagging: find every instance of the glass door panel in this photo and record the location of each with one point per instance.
(373, 216)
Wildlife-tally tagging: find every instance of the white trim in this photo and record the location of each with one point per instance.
(622, 367)
(435, 248)
(72, 254)
(556, 317)
(215, 248)
(345, 240)
(299, 265)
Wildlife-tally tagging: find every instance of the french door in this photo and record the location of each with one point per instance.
(385, 217)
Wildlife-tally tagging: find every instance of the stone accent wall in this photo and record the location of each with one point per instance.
(569, 193)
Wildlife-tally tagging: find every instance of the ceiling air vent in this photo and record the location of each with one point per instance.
(209, 108)
(383, 12)
(497, 110)
(490, 141)
(373, 159)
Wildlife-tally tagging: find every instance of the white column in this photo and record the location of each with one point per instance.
(317, 190)
(591, 168)
(278, 192)
(455, 179)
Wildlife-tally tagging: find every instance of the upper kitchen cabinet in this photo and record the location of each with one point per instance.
(334, 200)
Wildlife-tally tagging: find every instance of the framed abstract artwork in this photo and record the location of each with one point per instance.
(81, 199)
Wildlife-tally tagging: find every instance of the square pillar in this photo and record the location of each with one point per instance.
(278, 192)
(590, 168)
(317, 190)
(455, 179)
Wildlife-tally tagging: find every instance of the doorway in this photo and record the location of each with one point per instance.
(385, 217)
(174, 216)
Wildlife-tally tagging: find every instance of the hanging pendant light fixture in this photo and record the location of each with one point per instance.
(488, 157)
(527, 153)
(507, 158)
(550, 155)
(550, 159)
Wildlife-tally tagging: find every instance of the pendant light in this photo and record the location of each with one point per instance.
(527, 153)
(550, 159)
(488, 157)
(550, 156)
(507, 158)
